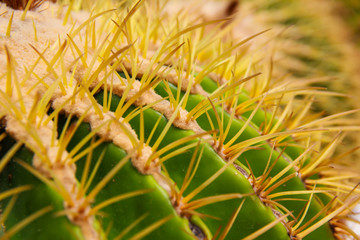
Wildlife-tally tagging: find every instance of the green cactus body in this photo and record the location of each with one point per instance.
(108, 137)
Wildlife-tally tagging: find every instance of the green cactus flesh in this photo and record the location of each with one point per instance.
(118, 166)
(155, 204)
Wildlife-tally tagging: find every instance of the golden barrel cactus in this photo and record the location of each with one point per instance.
(124, 121)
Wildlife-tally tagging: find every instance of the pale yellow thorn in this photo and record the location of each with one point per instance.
(266, 228)
(67, 14)
(83, 141)
(295, 192)
(107, 178)
(20, 225)
(118, 198)
(37, 174)
(23, 15)
(14, 191)
(290, 166)
(9, 155)
(306, 210)
(88, 183)
(35, 32)
(7, 210)
(231, 221)
(86, 151)
(212, 199)
(211, 179)
(151, 228)
(306, 171)
(323, 221)
(246, 124)
(131, 226)
(187, 178)
(8, 30)
(175, 153)
(8, 88)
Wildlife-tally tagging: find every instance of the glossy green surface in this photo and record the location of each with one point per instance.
(258, 160)
(47, 226)
(153, 206)
(230, 181)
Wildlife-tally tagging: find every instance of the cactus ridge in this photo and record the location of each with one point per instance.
(108, 137)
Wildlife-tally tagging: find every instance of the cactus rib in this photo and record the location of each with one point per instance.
(117, 131)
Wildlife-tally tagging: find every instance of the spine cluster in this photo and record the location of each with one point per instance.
(130, 125)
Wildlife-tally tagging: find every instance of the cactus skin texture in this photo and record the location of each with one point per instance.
(125, 124)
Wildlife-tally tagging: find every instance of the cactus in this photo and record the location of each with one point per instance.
(311, 39)
(119, 123)
(315, 41)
